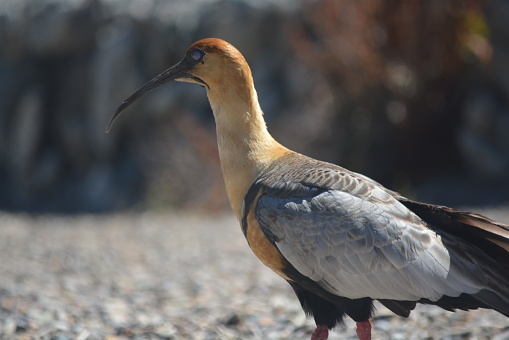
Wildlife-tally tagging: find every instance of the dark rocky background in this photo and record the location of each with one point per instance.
(413, 94)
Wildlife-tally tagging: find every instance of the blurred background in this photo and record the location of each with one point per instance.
(411, 93)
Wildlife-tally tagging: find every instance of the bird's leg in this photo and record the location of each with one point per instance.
(321, 333)
(364, 330)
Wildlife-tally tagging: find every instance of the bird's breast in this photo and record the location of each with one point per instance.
(260, 245)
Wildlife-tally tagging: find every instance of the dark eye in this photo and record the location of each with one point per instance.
(196, 55)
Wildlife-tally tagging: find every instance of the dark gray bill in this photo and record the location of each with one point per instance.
(175, 72)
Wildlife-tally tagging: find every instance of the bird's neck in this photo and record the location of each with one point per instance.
(245, 146)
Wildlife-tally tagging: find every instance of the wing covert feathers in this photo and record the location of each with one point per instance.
(355, 239)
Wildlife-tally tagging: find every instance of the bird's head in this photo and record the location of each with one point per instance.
(212, 63)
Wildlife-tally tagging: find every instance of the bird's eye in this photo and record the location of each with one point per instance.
(196, 55)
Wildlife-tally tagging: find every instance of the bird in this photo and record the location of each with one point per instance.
(340, 239)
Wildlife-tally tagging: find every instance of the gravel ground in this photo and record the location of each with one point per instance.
(148, 276)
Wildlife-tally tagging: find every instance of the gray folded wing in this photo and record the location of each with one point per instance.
(355, 240)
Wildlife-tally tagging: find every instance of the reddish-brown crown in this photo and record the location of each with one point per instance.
(217, 46)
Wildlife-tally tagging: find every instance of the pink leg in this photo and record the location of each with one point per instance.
(321, 333)
(364, 330)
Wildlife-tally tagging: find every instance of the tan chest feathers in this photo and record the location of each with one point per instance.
(261, 246)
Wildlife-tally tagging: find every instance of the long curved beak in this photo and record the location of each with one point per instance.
(178, 71)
